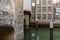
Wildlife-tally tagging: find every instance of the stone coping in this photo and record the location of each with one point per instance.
(45, 22)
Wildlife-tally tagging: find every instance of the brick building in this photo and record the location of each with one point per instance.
(43, 10)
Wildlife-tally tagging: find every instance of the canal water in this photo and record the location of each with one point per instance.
(41, 34)
(6, 33)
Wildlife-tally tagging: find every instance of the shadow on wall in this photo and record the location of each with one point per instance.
(6, 32)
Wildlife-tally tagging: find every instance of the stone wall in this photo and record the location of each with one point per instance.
(11, 13)
(19, 20)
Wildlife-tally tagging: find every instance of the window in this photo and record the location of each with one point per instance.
(38, 16)
(33, 4)
(44, 2)
(57, 11)
(43, 16)
(33, 16)
(49, 1)
(43, 9)
(57, 14)
(49, 9)
(49, 16)
(33, 9)
(39, 9)
(38, 1)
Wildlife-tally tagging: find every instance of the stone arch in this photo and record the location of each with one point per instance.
(6, 32)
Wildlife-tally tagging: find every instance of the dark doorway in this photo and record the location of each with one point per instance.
(27, 16)
(6, 32)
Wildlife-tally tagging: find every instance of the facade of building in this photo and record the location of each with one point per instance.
(33, 10)
(56, 7)
(57, 14)
(43, 10)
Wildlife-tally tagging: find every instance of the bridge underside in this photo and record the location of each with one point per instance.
(6, 32)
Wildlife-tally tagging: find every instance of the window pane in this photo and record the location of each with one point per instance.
(57, 16)
(33, 16)
(39, 9)
(38, 1)
(44, 2)
(49, 1)
(49, 16)
(57, 10)
(49, 9)
(43, 9)
(33, 4)
(43, 16)
(38, 16)
(57, 13)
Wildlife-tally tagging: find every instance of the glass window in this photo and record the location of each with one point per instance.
(33, 9)
(39, 9)
(33, 16)
(38, 1)
(43, 9)
(38, 16)
(43, 16)
(49, 1)
(49, 9)
(57, 14)
(44, 2)
(33, 4)
(57, 10)
(49, 16)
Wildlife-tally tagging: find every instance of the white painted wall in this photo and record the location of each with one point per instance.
(27, 5)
